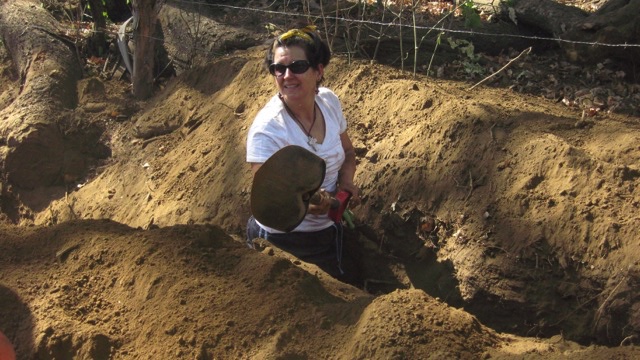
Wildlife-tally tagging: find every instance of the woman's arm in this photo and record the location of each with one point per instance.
(348, 170)
(255, 167)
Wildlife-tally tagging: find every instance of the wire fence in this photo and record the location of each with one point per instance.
(384, 24)
(399, 25)
(377, 28)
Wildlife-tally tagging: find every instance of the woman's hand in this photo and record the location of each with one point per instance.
(355, 193)
(320, 203)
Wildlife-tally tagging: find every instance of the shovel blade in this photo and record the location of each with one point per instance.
(283, 185)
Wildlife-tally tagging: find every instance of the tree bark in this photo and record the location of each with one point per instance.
(145, 43)
(547, 15)
(614, 23)
(31, 146)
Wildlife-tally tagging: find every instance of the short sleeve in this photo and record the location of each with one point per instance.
(266, 135)
(260, 146)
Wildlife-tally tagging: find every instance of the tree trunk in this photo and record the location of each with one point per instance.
(98, 39)
(547, 15)
(145, 42)
(31, 146)
(615, 23)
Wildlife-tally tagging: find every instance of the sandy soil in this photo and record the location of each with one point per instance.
(495, 224)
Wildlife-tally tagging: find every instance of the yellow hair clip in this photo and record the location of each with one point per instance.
(301, 33)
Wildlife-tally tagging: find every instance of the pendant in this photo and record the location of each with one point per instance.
(312, 142)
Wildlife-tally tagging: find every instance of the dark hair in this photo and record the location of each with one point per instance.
(316, 50)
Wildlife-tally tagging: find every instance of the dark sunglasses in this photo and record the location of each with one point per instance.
(296, 67)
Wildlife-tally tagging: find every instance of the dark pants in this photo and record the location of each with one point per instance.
(322, 248)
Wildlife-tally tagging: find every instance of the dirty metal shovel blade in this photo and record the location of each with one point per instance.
(283, 185)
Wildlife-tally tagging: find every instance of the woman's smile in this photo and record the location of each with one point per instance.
(300, 88)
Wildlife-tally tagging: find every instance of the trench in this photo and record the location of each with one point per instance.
(398, 259)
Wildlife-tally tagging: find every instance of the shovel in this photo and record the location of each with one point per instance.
(284, 186)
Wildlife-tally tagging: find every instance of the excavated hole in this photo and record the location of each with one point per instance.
(399, 259)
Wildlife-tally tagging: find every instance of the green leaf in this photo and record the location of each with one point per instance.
(471, 16)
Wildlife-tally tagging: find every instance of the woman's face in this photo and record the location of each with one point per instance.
(295, 87)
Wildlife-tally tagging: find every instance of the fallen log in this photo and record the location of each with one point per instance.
(586, 37)
(32, 147)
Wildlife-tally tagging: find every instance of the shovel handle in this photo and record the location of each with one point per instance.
(317, 197)
(338, 203)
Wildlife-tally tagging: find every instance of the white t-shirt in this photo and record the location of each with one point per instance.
(273, 128)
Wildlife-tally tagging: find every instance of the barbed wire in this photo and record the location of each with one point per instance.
(372, 22)
(410, 26)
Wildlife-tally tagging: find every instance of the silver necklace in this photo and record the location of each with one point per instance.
(312, 141)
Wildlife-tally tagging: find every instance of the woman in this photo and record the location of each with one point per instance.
(307, 115)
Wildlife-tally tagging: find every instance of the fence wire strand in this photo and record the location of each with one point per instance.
(370, 22)
(389, 24)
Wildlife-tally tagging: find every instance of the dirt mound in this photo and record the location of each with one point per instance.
(484, 213)
(98, 289)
